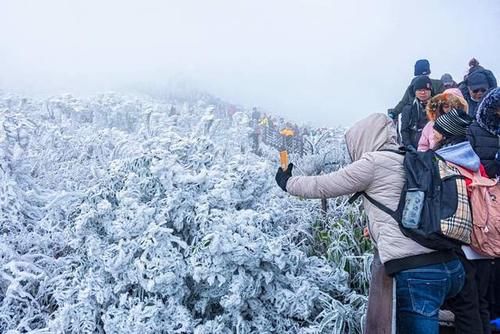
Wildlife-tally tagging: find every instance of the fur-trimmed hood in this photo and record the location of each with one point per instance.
(434, 107)
(487, 115)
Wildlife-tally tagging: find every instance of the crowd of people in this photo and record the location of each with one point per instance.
(264, 128)
(460, 124)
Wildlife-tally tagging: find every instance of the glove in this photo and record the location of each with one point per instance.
(283, 176)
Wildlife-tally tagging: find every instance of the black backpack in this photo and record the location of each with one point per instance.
(433, 208)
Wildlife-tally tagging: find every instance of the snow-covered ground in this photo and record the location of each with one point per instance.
(120, 215)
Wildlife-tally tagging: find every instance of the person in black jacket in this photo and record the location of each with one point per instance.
(484, 133)
(414, 117)
(477, 82)
(474, 66)
(422, 67)
(477, 88)
(448, 81)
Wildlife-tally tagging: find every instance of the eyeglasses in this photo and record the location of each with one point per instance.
(479, 90)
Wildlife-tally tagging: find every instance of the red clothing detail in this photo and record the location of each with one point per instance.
(468, 181)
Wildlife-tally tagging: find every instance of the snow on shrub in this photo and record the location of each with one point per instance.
(118, 216)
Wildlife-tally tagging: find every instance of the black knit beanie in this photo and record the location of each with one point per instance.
(422, 82)
(422, 67)
(453, 124)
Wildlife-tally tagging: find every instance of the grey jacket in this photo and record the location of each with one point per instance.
(378, 173)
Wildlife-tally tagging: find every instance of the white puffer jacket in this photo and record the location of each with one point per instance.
(378, 173)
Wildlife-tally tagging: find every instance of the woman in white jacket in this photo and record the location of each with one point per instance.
(424, 277)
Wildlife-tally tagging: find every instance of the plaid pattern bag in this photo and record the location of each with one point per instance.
(433, 208)
(458, 225)
(484, 199)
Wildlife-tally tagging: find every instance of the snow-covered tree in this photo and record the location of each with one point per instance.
(118, 215)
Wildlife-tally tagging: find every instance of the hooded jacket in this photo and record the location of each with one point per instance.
(492, 83)
(484, 133)
(378, 173)
(463, 155)
(434, 109)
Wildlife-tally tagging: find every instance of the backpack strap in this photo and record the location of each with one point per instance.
(439, 157)
(354, 197)
(379, 205)
(398, 151)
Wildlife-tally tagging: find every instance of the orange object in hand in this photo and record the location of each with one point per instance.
(284, 159)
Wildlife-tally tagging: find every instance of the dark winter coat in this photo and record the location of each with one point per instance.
(413, 120)
(407, 100)
(473, 105)
(484, 133)
(492, 83)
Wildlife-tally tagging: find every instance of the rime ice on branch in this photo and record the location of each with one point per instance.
(132, 215)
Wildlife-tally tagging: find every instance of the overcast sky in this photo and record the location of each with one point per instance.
(318, 61)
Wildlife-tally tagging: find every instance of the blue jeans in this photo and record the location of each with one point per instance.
(420, 292)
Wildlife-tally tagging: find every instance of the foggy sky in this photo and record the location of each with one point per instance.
(323, 62)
